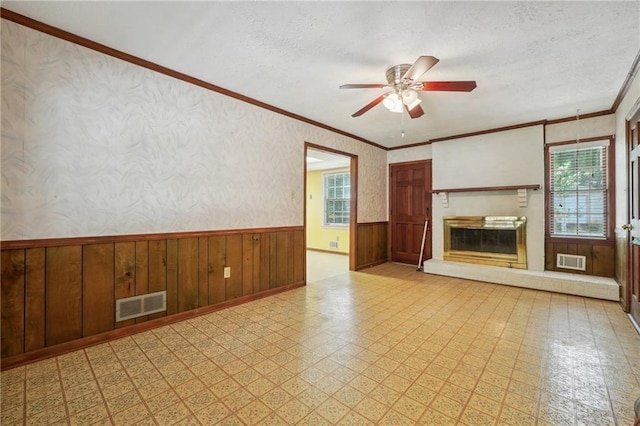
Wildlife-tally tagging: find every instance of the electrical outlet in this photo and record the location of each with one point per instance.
(227, 271)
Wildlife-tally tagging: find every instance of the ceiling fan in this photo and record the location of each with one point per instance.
(403, 80)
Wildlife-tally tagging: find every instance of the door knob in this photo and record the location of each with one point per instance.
(627, 227)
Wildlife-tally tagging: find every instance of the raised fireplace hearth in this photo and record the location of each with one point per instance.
(488, 240)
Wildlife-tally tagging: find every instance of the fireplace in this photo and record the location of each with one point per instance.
(488, 240)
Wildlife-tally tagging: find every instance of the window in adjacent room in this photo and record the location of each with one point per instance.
(579, 190)
(337, 195)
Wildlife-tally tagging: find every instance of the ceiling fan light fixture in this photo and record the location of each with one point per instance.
(409, 96)
(410, 99)
(392, 102)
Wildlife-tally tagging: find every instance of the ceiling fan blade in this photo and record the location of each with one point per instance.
(415, 112)
(363, 86)
(370, 105)
(419, 67)
(448, 86)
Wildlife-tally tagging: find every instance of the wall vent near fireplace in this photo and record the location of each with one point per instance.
(571, 261)
(137, 306)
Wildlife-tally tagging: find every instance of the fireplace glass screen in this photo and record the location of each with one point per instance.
(484, 240)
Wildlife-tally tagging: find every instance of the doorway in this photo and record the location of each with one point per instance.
(329, 211)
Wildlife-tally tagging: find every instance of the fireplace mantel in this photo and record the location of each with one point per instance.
(521, 191)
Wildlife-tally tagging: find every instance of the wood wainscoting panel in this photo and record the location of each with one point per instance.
(299, 256)
(125, 274)
(372, 244)
(622, 266)
(172, 276)
(97, 289)
(12, 303)
(599, 256)
(34, 300)
(249, 269)
(204, 271)
(187, 274)
(142, 272)
(604, 261)
(281, 250)
(265, 262)
(217, 256)
(64, 292)
(233, 284)
(157, 273)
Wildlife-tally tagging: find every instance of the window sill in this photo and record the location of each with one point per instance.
(580, 240)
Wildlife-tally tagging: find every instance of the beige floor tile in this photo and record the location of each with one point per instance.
(132, 415)
(393, 418)
(473, 417)
(409, 407)
(254, 412)
(352, 418)
(512, 416)
(456, 393)
(12, 416)
(434, 417)
(385, 395)
(84, 402)
(447, 406)
(276, 398)
(238, 399)
(332, 410)
(93, 415)
(370, 408)
(293, 411)
(172, 414)
(213, 413)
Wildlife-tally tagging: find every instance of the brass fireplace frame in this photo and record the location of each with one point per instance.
(518, 224)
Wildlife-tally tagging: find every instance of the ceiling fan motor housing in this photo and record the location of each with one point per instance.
(395, 73)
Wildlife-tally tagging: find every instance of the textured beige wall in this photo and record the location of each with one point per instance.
(92, 145)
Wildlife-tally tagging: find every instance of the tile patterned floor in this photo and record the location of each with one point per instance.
(386, 346)
(322, 265)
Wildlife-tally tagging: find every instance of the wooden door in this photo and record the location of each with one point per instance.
(633, 227)
(410, 206)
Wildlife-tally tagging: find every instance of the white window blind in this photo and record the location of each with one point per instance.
(578, 190)
(337, 196)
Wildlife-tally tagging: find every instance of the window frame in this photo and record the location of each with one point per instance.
(610, 191)
(325, 175)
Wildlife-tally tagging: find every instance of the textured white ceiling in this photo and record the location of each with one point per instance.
(531, 60)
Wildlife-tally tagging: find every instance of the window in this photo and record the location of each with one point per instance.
(579, 190)
(337, 198)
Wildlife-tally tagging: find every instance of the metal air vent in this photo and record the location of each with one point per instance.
(571, 261)
(137, 306)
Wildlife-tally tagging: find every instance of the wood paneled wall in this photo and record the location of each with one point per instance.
(622, 266)
(371, 244)
(600, 257)
(64, 290)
